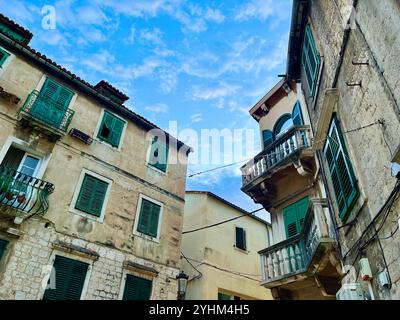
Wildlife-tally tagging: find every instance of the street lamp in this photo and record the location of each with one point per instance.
(182, 284)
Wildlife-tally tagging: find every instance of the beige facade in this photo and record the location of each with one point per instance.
(109, 243)
(223, 269)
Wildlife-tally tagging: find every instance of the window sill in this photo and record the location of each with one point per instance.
(105, 143)
(241, 250)
(156, 169)
(86, 215)
(146, 237)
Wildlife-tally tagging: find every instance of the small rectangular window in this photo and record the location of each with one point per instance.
(310, 60)
(137, 288)
(240, 238)
(91, 196)
(340, 169)
(223, 296)
(159, 155)
(3, 57)
(70, 277)
(149, 218)
(3, 245)
(111, 129)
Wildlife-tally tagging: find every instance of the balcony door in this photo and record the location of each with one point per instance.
(293, 217)
(16, 171)
(52, 103)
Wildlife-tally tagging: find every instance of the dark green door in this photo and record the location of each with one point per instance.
(293, 217)
(70, 278)
(52, 102)
(137, 288)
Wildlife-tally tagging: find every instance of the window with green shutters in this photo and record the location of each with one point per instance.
(149, 216)
(159, 155)
(223, 296)
(293, 217)
(111, 129)
(91, 195)
(3, 57)
(340, 169)
(70, 278)
(137, 288)
(52, 103)
(3, 245)
(240, 238)
(310, 60)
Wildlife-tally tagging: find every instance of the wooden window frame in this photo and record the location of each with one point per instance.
(137, 217)
(78, 187)
(244, 239)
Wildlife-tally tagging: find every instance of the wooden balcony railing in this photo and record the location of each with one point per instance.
(22, 195)
(293, 256)
(47, 111)
(290, 143)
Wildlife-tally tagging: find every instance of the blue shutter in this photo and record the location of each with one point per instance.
(267, 137)
(341, 171)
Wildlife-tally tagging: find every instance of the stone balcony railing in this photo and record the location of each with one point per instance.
(287, 260)
(46, 113)
(21, 195)
(277, 153)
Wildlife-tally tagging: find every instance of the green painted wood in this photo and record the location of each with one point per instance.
(137, 288)
(111, 129)
(223, 296)
(3, 245)
(341, 171)
(3, 57)
(70, 278)
(293, 217)
(310, 60)
(240, 238)
(297, 115)
(149, 218)
(159, 155)
(52, 102)
(91, 196)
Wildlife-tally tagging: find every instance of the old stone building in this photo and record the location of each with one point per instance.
(91, 204)
(222, 262)
(343, 55)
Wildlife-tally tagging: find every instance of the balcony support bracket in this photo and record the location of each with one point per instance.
(301, 168)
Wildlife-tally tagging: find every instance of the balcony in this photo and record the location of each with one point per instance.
(23, 196)
(288, 148)
(303, 255)
(46, 114)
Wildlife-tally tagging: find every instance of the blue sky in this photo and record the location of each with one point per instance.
(203, 64)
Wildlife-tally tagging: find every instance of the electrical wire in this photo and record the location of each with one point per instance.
(200, 274)
(222, 222)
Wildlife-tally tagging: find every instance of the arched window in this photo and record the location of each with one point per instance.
(296, 115)
(283, 124)
(267, 137)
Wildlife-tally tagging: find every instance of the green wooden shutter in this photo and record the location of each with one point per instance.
(3, 57)
(111, 129)
(159, 155)
(149, 218)
(91, 196)
(70, 278)
(223, 296)
(310, 60)
(240, 238)
(294, 215)
(341, 171)
(296, 115)
(3, 245)
(267, 137)
(137, 288)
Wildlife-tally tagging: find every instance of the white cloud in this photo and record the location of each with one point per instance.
(158, 108)
(197, 117)
(151, 36)
(257, 9)
(214, 92)
(214, 15)
(132, 36)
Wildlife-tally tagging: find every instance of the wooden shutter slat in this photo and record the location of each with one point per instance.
(137, 288)
(149, 218)
(92, 195)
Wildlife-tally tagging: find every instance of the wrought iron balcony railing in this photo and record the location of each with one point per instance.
(47, 111)
(283, 148)
(293, 256)
(22, 195)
